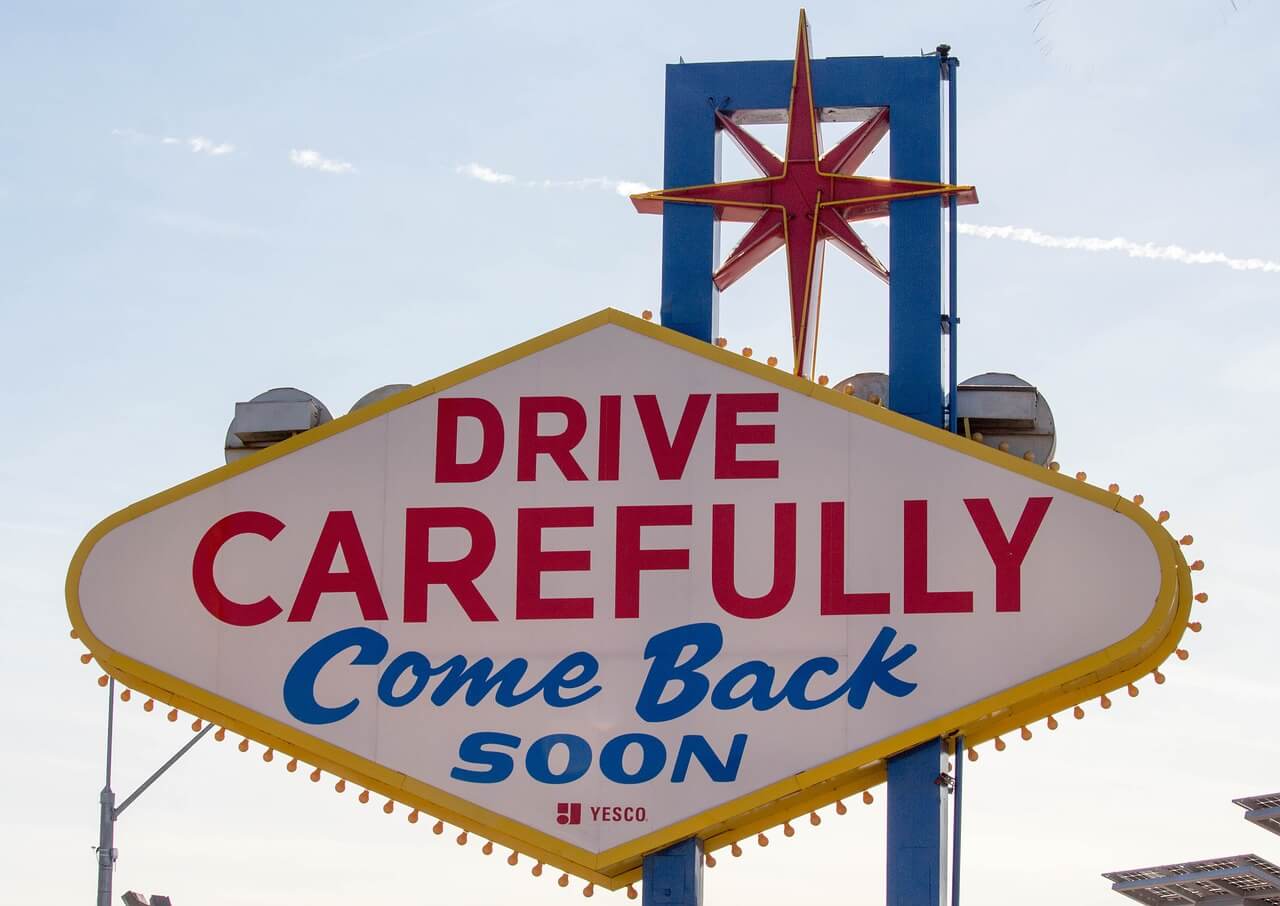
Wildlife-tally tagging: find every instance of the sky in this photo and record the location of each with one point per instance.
(201, 201)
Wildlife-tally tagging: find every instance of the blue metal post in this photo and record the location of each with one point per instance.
(690, 232)
(673, 877)
(958, 797)
(917, 827)
(953, 316)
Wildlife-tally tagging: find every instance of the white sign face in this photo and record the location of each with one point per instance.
(587, 597)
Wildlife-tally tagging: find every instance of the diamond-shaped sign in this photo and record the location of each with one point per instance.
(614, 587)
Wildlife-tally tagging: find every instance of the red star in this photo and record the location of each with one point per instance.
(802, 202)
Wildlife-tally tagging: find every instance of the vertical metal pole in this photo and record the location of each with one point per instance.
(958, 796)
(107, 811)
(953, 318)
(673, 877)
(690, 232)
(917, 864)
(916, 867)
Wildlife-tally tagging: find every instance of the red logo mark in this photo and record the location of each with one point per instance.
(568, 813)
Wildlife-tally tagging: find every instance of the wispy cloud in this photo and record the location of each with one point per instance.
(488, 174)
(1119, 244)
(484, 174)
(197, 144)
(308, 159)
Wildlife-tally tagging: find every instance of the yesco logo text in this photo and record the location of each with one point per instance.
(572, 812)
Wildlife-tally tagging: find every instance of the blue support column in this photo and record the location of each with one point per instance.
(917, 827)
(673, 877)
(690, 233)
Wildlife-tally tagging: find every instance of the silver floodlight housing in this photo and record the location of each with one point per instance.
(1004, 411)
(271, 417)
(869, 386)
(377, 396)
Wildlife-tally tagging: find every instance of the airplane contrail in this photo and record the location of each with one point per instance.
(1118, 244)
(1028, 235)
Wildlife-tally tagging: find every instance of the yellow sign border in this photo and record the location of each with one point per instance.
(1104, 671)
